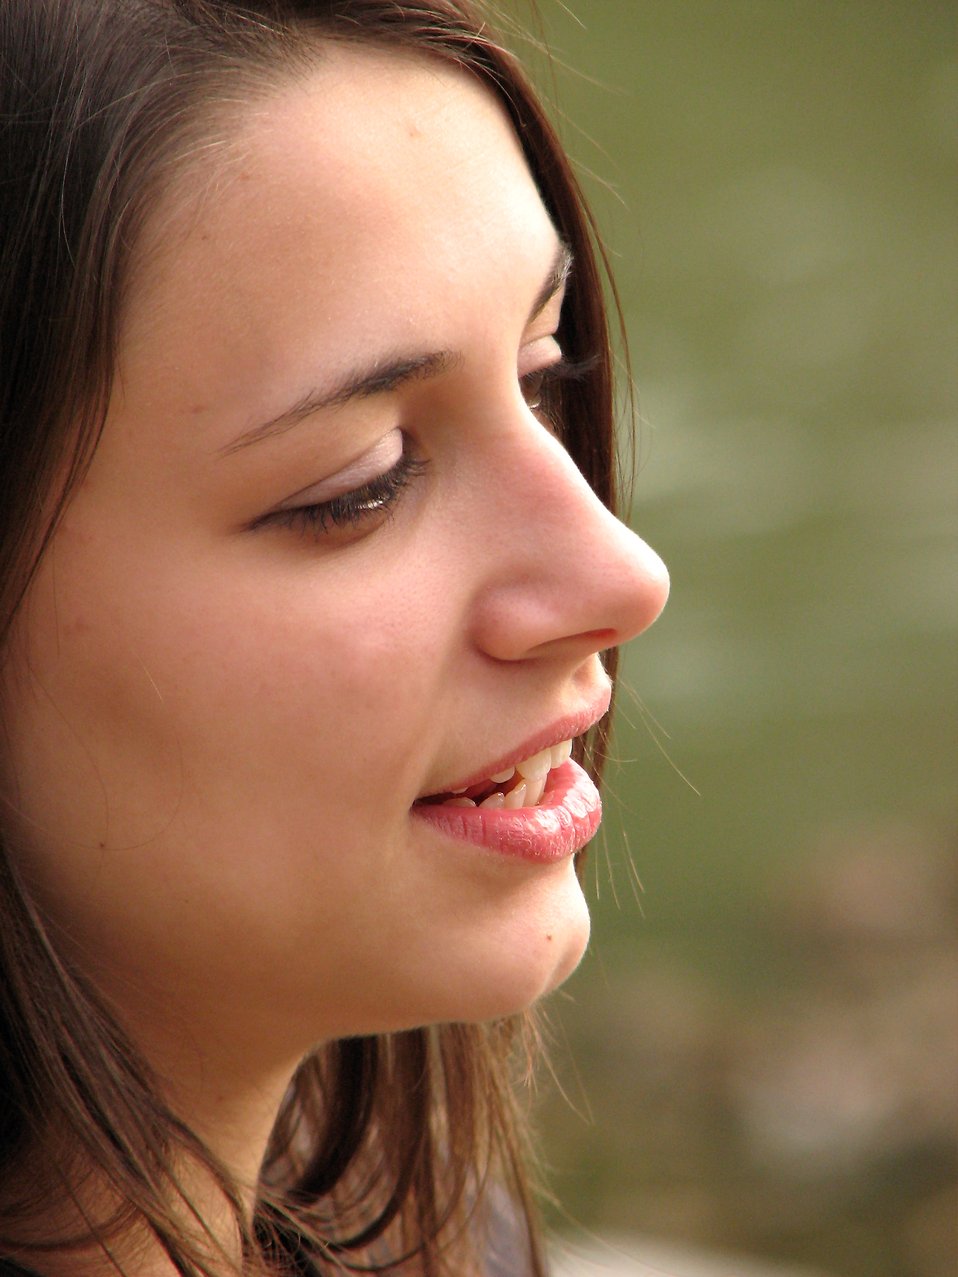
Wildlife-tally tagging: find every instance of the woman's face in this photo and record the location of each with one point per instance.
(327, 560)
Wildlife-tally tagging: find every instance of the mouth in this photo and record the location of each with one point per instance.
(535, 804)
(514, 787)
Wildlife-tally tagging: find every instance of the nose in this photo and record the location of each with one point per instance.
(567, 578)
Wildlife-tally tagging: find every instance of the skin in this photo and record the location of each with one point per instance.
(217, 727)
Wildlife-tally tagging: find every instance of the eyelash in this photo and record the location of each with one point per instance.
(379, 495)
(351, 509)
(537, 385)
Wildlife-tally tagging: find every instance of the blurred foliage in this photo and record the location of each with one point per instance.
(767, 1032)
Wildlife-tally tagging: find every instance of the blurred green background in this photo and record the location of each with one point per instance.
(764, 1037)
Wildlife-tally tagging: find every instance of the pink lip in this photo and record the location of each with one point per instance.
(564, 729)
(567, 816)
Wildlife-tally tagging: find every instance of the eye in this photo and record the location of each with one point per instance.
(534, 385)
(537, 385)
(352, 513)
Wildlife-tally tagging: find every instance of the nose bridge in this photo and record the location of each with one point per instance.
(565, 570)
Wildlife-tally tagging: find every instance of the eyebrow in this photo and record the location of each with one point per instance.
(389, 374)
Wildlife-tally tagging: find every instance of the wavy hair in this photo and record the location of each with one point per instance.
(404, 1148)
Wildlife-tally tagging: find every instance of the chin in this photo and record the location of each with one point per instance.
(528, 964)
(489, 964)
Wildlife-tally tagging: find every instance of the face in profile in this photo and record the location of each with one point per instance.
(329, 565)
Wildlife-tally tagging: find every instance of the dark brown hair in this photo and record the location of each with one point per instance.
(407, 1144)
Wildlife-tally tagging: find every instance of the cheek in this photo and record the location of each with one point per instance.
(196, 758)
(80, 705)
(136, 704)
(302, 693)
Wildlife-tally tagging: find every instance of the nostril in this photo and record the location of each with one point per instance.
(600, 638)
(577, 645)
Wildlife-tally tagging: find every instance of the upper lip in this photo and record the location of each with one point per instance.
(567, 728)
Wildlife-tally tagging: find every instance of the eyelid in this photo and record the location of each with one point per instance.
(381, 458)
(551, 313)
(539, 351)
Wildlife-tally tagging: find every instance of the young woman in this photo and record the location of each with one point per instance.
(309, 585)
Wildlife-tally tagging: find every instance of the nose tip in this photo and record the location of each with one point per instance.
(655, 586)
(573, 579)
(625, 581)
(655, 593)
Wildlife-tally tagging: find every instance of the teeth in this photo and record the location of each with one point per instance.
(515, 798)
(534, 791)
(494, 801)
(536, 766)
(528, 792)
(459, 791)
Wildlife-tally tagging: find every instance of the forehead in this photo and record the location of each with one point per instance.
(369, 199)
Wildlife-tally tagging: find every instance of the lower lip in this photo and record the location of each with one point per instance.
(567, 816)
